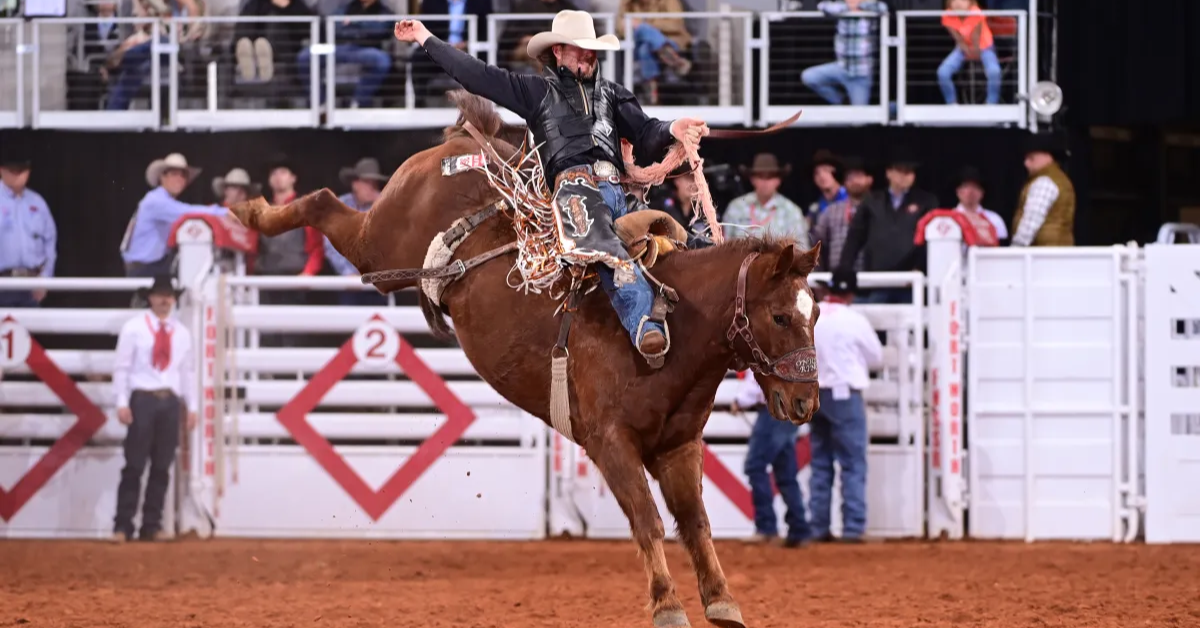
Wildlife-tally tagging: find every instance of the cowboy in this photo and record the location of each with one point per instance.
(578, 119)
(154, 379)
(235, 187)
(970, 191)
(28, 235)
(765, 208)
(1046, 212)
(144, 247)
(366, 181)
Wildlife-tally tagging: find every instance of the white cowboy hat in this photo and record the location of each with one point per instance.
(573, 28)
(174, 161)
(237, 176)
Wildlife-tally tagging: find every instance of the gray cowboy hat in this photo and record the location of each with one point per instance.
(367, 168)
(573, 28)
(765, 163)
(174, 161)
(238, 177)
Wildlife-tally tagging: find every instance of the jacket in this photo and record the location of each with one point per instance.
(885, 235)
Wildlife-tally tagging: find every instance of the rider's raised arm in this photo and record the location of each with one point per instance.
(519, 93)
(650, 136)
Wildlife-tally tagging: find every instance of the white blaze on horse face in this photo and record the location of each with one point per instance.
(804, 303)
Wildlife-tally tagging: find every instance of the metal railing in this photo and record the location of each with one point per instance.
(255, 72)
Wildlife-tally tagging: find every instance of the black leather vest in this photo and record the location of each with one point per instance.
(575, 118)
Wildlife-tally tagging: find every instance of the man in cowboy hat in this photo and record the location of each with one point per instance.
(765, 210)
(578, 119)
(144, 247)
(154, 380)
(970, 190)
(826, 174)
(833, 224)
(1046, 211)
(235, 187)
(28, 235)
(366, 181)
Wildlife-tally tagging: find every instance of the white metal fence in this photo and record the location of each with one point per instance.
(349, 72)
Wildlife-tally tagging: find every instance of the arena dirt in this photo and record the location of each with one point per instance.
(576, 584)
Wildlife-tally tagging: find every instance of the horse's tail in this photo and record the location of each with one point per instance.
(435, 319)
(477, 110)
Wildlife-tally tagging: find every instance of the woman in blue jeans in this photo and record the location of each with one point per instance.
(973, 41)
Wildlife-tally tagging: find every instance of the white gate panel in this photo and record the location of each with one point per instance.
(1173, 393)
(1046, 394)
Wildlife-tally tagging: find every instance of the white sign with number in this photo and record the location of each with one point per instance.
(376, 344)
(15, 344)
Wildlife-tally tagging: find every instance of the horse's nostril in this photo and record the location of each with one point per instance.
(801, 407)
(780, 409)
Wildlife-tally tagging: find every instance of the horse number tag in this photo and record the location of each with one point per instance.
(376, 344)
(462, 163)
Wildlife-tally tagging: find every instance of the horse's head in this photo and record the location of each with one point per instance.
(780, 314)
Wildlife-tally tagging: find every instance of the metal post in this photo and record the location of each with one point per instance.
(901, 67)
(20, 60)
(1024, 86)
(37, 74)
(173, 79)
(314, 75)
(330, 61)
(747, 73)
(764, 74)
(1031, 46)
(885, 76)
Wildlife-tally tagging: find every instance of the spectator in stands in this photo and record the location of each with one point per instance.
(970, 194)
(520, 31)
(885, 225)
(765, 209)
(973, 41)
(144, 247)
(132, 58)
(235, 187)
(833, 224)
(262, 46)
(1046, 211)
(847, 349)
(856, 46)
(825, 169)
(298, 252)
(657, 41)
(772, 446)
(360, 43)
(428, 78)
(154, 380)
(675, 197)
(87, 76)
(365, 181)
(28, 235)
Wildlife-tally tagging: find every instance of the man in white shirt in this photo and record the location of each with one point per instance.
(970, 196)
(153, 376)
(773, 446)
(847, 349)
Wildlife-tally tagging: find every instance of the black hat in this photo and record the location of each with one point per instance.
(163, 284)
(854, 163)
(970, 174)
(1046, 143)
(902, 157)
(279, 160)
(824, 157)
(844, 281)
(14, 160)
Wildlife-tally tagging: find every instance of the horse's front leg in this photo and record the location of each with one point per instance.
(620, 463)
(679, 474)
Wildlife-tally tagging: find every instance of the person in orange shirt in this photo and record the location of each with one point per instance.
(974, 42)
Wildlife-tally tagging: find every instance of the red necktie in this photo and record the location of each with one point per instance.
(160, 356)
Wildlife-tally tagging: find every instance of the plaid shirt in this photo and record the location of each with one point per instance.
(779, 217)
(857, 38)
(830, 230)
(1042, 194)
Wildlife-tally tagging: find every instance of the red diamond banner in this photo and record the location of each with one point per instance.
(89, 418)
(372, 343)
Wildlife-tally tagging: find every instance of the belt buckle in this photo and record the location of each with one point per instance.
(604, 169)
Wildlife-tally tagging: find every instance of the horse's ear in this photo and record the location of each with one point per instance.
(806, 262)
(787, 257)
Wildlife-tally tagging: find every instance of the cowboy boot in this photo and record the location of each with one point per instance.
(671, 57)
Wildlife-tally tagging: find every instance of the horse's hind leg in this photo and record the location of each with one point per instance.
(320, 209)
(679, 474)
(620, 464)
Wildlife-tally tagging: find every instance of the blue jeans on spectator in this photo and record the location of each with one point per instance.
(647, 41)
(773, 444)
(954, 62)
(824, 79)
(373, 63)
(839, 432)
(631, 301)
(18, 299)
(131, 74)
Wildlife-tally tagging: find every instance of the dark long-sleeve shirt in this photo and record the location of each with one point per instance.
(883, 230)
(523, 94)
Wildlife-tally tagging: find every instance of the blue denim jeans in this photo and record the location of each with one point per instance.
(773, 445)
(634, 300)
(373, 64)
(839, 432)
(954, 62)
(647, 41)
(824, 79)
(131, 74)
(20, 299)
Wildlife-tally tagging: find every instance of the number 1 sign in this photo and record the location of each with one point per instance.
(15, 344)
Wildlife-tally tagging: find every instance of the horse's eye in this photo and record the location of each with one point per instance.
(783, 321)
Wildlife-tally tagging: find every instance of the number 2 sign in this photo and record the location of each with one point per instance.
(15, 344)
(376, 344)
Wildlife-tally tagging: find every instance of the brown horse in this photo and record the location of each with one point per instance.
(629, 418)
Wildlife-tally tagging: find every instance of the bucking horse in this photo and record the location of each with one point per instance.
(741, 303)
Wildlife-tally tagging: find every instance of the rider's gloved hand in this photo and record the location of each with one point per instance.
(689, 130)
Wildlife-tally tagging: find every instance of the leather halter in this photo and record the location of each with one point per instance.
(797, 366)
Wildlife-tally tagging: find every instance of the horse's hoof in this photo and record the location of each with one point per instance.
(671, 619)
(724, 614)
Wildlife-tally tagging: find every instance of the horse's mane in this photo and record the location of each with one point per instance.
(745, 246)
(482, 115)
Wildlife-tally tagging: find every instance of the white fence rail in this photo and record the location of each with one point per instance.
(251, 72)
